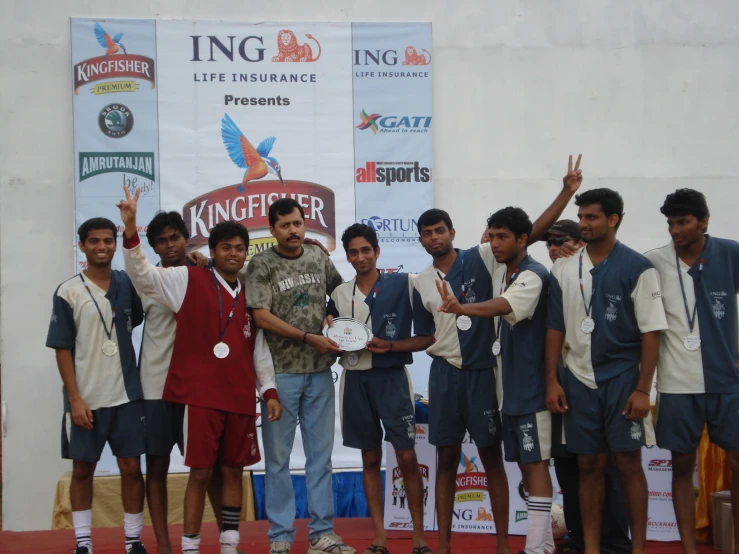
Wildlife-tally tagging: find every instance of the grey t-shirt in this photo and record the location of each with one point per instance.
(293, 289)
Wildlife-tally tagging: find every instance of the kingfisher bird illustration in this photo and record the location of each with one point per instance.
(112, 45)
(256, 163)
(468, 464)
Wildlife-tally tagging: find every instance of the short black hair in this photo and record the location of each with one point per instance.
(514, 219)
(226, 230)
(609, 200)
(432, 217)
(359, 230)
(686, 202)
(94, 224)
(161, 221)
(284, 206)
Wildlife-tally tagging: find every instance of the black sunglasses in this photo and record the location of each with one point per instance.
(558, 241)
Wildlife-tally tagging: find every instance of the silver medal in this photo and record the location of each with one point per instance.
(221, 350)
(353, 359)
(496, 348)
(692, 342)
(464, 323)
(587, 325)
(110, 348)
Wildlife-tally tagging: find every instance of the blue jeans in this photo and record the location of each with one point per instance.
(308, 397)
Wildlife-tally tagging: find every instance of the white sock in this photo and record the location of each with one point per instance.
(133, 524)
(191, 545)
(549, 545)
(540, 523)
(82, 521)
(229, 542)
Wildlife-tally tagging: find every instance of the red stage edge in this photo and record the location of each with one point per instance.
(355, 532)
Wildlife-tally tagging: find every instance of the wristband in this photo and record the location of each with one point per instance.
(391, 346)
(305, 336)
(643, 392)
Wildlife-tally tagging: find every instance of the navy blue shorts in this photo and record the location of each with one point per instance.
(594, 424)
(462, 400)
(681, 417)
(123, 427)
(374, 398)
(163, 427)
(527, 439)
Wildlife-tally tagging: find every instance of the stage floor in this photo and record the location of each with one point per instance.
(356, 532)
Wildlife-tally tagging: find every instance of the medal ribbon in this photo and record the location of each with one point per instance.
(220, 307)
(502, 290)
(461, 259)
(588, 305)
(376, 288)
(112, 305)
(691, 320)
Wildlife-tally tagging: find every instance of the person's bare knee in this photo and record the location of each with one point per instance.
(83, 471)
(372, 460)
(683, 465)
(407, 460)
(592, 464)
(130, 468)
(628, 464)
(448, 458)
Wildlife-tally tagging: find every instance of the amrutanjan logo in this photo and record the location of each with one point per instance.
(115, 120)
(289, 50)
(250, 206)
(521, 515)
(114, 64)
(394, 123)
(413, 57)
(97, 163)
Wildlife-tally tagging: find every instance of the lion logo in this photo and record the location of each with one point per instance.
(483, 515)
(290, 51)
(412, 57)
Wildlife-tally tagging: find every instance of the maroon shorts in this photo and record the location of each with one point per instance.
(217, 436)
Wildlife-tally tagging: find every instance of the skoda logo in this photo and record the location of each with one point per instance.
(115, 120)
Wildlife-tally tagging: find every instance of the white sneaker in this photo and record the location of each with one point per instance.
(329, 544)
(279, 547)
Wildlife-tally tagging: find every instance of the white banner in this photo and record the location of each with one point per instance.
(472, 510)
(155, 100)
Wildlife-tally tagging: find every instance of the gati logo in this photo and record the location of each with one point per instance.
(660, 465)
(114, 64)
(249, 199)
(374, 64)
(393, 123)
(393, 172)
(115, 120)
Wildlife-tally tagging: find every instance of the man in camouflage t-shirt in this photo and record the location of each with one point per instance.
(286, 286)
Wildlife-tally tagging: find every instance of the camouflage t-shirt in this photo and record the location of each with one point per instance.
(293, 289)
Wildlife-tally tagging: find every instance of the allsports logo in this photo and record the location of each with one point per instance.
(116, 63)
(393, 172)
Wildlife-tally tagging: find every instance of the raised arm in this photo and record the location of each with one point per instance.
(570, 184)
(165, 285)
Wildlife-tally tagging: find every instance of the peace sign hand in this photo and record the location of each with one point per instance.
(573, 179)
(128, 210)
(449, 302)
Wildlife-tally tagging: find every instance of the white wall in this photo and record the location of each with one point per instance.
(646, 89)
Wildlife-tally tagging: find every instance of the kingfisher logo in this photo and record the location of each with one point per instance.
(116, 63)
(393, 172)
(249, 199)
(394, 123)
(471, 484)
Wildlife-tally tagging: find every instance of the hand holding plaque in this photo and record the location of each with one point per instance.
(350, 334)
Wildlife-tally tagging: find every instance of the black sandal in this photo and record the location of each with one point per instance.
(377, 549)
(422, 550)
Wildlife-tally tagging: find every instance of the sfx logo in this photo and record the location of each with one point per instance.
(116, 63)
(394, 123)
(236, 203)
(393, 172)
(660, 465)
